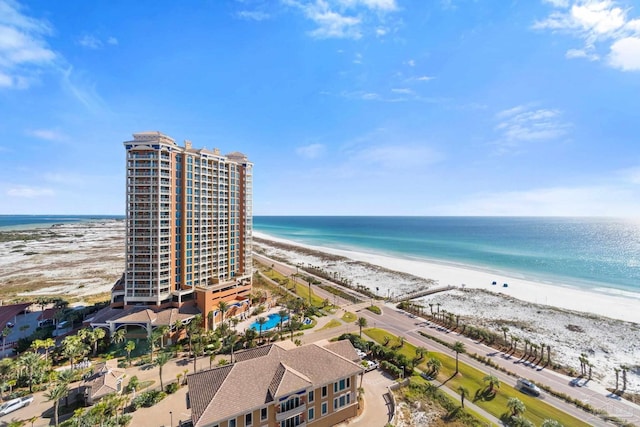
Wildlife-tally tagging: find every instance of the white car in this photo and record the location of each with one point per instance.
(15, 404)
(361, 353)
(371, 365)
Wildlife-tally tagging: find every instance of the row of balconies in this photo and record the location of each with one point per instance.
(133, 155)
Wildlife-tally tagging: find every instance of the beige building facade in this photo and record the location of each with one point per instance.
(188, 224)
(313, 385)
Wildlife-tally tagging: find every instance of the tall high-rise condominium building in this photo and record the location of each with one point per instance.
(189, 224)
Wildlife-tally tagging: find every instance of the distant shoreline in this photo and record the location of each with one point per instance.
(35, 222)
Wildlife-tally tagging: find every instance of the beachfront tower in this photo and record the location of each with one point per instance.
(188, 225)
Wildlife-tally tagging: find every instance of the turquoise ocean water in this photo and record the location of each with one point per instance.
(595, 253)
(31, 221)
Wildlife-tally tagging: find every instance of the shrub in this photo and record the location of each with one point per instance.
(147, 399)
(172, 388)
(374, 309)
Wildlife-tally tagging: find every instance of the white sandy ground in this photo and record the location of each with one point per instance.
(73, 260)
(540, 312)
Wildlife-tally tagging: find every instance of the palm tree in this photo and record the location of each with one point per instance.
(66, 376)
(504, 330)
(5, 333)
(420, 353)
(96, 336)
(73, 348)
(282, 313)
(515, 340)
(464, 393)
(624, 368)
(223, 306)
(30, 361)
(57, 392)
(119, 336)
(458, 347)
(551, 423)
(129, 347)
(362, 323)
(7, 370)
(232, 339)
(434, 366)
(492, 381)
(261, 321)
(162, 360)
(516, 406)
(193, 329)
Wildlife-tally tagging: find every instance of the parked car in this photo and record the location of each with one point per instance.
(15, 404)
(10, 324)
(528, 387)
(361, 353)
(371, 365)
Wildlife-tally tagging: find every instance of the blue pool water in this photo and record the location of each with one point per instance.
(273, 320)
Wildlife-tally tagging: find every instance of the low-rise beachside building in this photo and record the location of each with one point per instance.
(188, 227)
(106, 379)
(314, 385)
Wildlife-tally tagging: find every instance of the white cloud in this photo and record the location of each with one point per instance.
(385, 5)
(558, 3)
(92, 42)
(522, 124)
(599, 23)
(403, 91)
(397, 156)
(29, 192)
(311, 151)
(625, 54)
(253, 15)
(47, 134)
(411, 63)
(424, 78)
(346, 19)
(23, 49)
(581, 53)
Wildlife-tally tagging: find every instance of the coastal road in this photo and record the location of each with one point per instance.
(401, 324)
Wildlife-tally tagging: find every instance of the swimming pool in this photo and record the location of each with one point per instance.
(273, 320)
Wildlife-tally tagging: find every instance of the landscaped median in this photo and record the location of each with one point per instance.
(474, 381)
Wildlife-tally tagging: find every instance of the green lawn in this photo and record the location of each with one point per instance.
(333, 323)
(301, 288)
(349, 317)
(471, 379)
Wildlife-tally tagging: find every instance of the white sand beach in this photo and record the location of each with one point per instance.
(69, 260)
(608, 324)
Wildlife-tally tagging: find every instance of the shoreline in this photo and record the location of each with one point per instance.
(572, 322)
(592, 301)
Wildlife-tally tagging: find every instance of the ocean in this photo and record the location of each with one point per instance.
(594, 253)
(8, 222)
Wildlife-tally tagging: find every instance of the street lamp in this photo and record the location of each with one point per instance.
(171, 415)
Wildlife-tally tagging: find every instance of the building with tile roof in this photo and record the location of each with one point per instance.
(313, 385)
(106, 379)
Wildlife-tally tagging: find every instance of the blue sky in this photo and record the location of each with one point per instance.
(346, 107)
